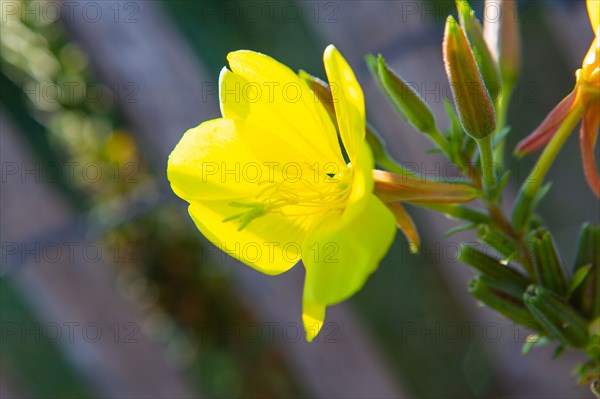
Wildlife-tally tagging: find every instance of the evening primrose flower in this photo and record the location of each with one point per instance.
(268, 183)
(583, 103)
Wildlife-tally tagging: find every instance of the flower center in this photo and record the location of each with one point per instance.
(314, 193)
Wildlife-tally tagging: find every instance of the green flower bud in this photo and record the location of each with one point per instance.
(558, 318)
(547, 266)
(507, 246)
(473, 103)
(493, 268)
(407, 102)
(501, 297)
(486, 63)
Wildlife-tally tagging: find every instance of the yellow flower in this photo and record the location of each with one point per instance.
(268, 183)
(583, 103)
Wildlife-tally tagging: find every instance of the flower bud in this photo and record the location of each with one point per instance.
(501, 297)
(486, 63)
(505, 245)
(493, 268)
(407, 102)
(473, 103)
(548, 269)
(560, 320)
(503, 38)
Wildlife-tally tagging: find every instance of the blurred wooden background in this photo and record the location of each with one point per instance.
(391, 340)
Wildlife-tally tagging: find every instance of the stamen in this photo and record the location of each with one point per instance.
(317, 198)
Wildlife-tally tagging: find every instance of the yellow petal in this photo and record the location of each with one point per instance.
(267, 94)
(362, 183)
(271, 243)
(339, 257)
(591, 63)
(313, 315)
(348, 100)
(593, 7)
(199, 166)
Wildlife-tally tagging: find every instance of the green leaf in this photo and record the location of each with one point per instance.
(560, 349)
(455, 131)
(459, 229)
(534, 341)
(578, 278)
(456, 211)
(586, 296)
(540, 195)
(525, 206)
(501, 135)
(371, 61)
(499, 189)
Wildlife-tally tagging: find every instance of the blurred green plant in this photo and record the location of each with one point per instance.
(29, 360)
(191, 308)
(73, 124)
(526, 281)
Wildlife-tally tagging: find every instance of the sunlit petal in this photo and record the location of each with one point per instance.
(545, 131)
(348, 100)
(313, 316)
(197, 167)
(339, 258)
(271, 243)
(266, 93)
(593, 7)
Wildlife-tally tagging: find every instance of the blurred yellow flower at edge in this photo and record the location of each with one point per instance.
(583, 103)
(268, 184)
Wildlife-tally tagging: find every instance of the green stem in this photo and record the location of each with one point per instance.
(487, 163)
(501, 117)
(541, 168)
(391, 166)
(529, 190)
(457, 211)
(380, 153)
